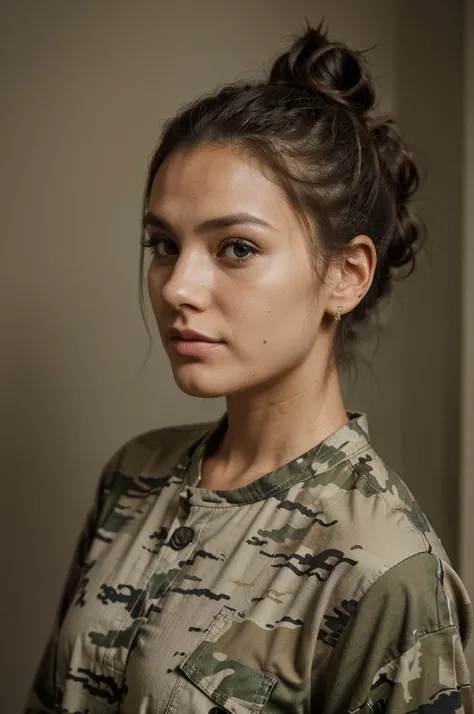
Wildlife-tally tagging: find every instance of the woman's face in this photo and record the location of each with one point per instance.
(230, 260)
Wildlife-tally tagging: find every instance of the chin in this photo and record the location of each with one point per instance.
(199, 385)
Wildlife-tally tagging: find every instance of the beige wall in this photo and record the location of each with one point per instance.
(85, 86)
(414, 398)
(467, 480)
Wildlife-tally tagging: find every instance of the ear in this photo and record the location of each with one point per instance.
(352, 275)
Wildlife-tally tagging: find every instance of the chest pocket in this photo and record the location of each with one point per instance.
(227, 682)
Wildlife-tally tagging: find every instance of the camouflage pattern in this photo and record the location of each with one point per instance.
(321, 587)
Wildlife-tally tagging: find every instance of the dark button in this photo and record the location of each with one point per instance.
(181, 537)
(218, 710)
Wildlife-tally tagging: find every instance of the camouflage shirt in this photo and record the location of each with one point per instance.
(320, 587)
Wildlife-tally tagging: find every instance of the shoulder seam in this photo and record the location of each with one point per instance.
(373, 581)
(427, 547)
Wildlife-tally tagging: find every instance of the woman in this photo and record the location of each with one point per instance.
(270, 561)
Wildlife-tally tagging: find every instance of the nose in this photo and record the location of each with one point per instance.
(189, 283)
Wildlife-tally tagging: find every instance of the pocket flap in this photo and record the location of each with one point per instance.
(238, 688)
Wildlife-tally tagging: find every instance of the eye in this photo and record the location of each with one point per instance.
(237, 250)
(160, 247)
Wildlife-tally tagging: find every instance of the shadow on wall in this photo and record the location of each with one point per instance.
(425, 66)
(417, 362)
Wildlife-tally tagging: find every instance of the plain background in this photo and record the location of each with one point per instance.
(85, 88)
(466, 533)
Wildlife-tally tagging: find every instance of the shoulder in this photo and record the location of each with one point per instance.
(408, 632)
(422, 594)
(394, 554)
(159, 449)
(419, 596)
(376, 511)
(153, 453)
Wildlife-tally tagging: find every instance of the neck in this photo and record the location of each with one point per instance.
(268, 429)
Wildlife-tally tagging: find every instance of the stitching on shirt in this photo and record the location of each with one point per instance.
(362, 444)
(257, 704)
(422, 633)
(213, 629)
(426, 544)
(369, 583)
(107, 653)
(204, 633)
(343, 493)
(299, 477)
(302, 476)
(265, 683)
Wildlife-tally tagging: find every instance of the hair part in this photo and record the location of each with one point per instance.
(344, 170)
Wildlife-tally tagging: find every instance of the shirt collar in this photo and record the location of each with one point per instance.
(339, 446)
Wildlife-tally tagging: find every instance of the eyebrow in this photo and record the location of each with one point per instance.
(211, 224)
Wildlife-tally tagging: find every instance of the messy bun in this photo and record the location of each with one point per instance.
(402, 173)
(339, 74)
(326, 68)
(347, 171)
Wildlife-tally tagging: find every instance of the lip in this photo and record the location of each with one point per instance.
(175, 333)
(194, 348)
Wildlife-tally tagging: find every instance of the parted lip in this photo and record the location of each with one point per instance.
(186, 334)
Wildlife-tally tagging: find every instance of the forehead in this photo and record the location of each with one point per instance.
(213, 180)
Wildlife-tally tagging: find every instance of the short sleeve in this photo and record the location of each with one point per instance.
(403, 649)
(41, 698)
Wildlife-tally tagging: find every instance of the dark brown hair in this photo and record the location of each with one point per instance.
(344, 170)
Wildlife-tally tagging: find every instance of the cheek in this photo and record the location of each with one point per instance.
(271, 315)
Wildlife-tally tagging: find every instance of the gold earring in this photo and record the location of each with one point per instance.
(338, 314)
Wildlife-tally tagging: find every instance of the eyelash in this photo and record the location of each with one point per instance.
(152, 244)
